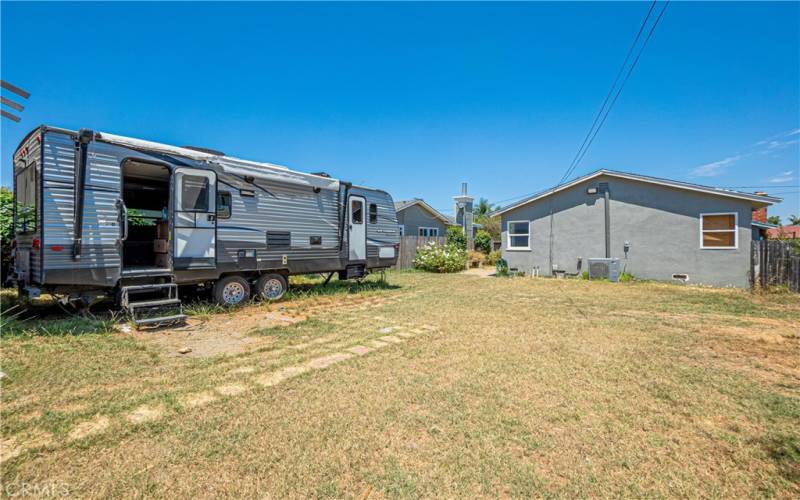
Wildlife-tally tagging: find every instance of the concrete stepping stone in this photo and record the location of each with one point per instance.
(331, 359)
(377, 344)
(387, 329)
(279, 376)
(144, 414)
(198, 399)
(360, 350)
(231, 389)
(89, 428)
(242, 370)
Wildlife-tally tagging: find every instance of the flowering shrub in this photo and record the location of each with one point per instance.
(441, 259)
(493, 257)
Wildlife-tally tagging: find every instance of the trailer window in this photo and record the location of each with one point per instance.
(194, 193)
(373, 213)
(223, 205)
(26, 186)
(357, 211)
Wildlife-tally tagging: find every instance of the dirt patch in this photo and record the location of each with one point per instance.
(86, 429)
(14, 446)
(198, 399)
(145, 414)
(231, 389)
(279, 376)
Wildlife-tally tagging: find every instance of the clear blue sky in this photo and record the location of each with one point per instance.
(416, 98)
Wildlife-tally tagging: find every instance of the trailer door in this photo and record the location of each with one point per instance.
(357, 235)
(195, 219)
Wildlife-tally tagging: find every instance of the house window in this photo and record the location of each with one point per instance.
(402, 229)
(223, 205)
(719, 230)
(373, 213)
(428, 231)
(519, 233)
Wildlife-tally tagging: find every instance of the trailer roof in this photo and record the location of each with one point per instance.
(234, 166)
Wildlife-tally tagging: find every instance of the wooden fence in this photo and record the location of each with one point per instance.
(409, 245)
(775, 263)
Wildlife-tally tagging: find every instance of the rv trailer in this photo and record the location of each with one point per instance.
(100, 214)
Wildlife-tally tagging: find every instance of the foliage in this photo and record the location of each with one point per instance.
(491, 225)
(483, 208)
(137, 218)
(585, 275)
(476, 259)
(483, 241)
(435, 258)
(794, 219)
(502, 267)
(6, 230)
(774, 219)
(493, 257)
(456, 237)
(625, 277)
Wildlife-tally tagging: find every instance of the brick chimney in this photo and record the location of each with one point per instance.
(760, 214)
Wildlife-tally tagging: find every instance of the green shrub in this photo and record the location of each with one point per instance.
(441, 259)
(493, 257)
(625, 277)
(502, 267)
(456, 237)
(585, 275)
(6, 230)
(483, 241)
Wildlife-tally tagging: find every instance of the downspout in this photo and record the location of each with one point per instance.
(608, 222)
(81, 153)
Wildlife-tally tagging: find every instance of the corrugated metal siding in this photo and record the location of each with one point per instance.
(25, 241)
(296, 209)
(101, 228)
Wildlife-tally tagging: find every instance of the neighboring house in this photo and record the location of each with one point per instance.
(776, 232)
(417, 218)
(658, 228)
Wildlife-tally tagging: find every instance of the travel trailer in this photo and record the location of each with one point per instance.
(100, 214)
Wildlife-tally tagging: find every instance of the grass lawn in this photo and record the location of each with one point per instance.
(433, 385)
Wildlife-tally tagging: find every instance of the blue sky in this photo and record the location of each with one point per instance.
(417, 97)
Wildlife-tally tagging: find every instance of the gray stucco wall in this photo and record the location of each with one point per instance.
(662, 225)
(414, 217)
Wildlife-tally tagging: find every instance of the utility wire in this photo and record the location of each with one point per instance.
(610, 92)
(616, 96)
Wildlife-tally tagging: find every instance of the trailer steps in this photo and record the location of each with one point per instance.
(158, 304)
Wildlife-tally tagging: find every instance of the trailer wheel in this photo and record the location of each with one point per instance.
(271, 286)
(231, 291)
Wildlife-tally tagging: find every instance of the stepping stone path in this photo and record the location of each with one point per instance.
(14, 446)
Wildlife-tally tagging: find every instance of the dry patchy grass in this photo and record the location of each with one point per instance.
(437, 386)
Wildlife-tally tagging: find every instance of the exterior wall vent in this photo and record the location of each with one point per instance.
(681, 277)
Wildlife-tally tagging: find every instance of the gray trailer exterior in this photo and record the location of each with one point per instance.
(657, 220)
(279, 221)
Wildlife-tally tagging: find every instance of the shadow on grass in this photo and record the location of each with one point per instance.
(45, 318)
(303, 286)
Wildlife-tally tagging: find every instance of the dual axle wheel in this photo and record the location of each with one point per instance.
(233, 290)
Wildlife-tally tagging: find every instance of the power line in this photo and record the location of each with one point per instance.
(611, 90)
(592, 134)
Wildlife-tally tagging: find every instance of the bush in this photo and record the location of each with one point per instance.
(493, 257)
(6, 230)
(502, 267)
(476, 259)
(456, 237)
(441, 259)
(483, 241)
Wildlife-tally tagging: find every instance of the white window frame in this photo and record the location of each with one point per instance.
(510, 234)
(735, 231)
(430, 231)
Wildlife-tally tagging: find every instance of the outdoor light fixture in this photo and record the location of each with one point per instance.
(591, 190)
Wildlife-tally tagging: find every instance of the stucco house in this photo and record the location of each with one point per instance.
(659, 229)
(417, 218)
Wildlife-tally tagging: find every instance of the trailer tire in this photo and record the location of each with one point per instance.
(271, 286)
(231, 291)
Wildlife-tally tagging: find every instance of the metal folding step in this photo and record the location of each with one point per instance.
(158, 304)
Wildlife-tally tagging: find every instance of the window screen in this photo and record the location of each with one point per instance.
(26, 200)
(194, 193)
(223, 205)
(373, 213)
(357, 211)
